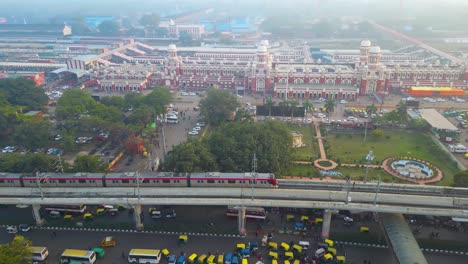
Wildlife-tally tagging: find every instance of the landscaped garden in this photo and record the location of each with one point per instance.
(310, 150)
(351, 149)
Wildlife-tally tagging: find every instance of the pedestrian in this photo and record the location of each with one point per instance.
(54, 234)
(123, 255)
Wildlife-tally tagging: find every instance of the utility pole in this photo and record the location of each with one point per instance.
(348, 189)
(254, 173)
(377, 190)
(369, 158)
(40, 177)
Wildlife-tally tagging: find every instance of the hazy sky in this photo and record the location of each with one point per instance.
(44, 9)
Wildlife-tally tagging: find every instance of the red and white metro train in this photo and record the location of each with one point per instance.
(147, 179)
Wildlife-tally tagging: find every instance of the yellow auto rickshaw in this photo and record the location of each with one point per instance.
(332, 251)
(245, 261)
(318, 221)
(329, 242)
(192, 258)
(304, 218)
(364, 229)
(88, 217)
(341, 259)
(288, 255)
(202, 258)
(108, 241)
(274, 261)
(220, 259)
(240, 246)
(296, 261)
(328, 257)
(290, 218)
(287, 262)
(285, 246)
(211, 259)
(183, 239)
(100, 211)
(68, 217)
(273, 255)
(165, 252)
(297, 248)
(273, 246)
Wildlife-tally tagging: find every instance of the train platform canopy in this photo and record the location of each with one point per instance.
(435, 91)
(79, 73)
(436, 120)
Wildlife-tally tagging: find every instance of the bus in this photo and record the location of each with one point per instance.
(78, 209)
(255, 213)
(76, 255)
(152, 256)
(39, 253)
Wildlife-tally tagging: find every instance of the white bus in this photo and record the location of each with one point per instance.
(152, 256)
(81, 256)
(172, 119)
(39, 253)
(459, 148)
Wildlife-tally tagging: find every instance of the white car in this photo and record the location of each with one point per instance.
(184, 94)
(308, 121)
(321, 115)
(197, 128)
(343, 102)
(459, 118)
(192, 93)
(201, 124)
(9, 149)
(440, 100)
(193, 133)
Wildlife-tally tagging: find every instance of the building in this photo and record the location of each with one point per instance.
(35, 30)
(196, 31)
(291, 72)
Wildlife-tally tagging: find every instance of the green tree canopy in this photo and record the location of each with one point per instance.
(193, 156)
(89, 163)
(151, 19)
(157, 100)
(330, 105)
(18, 251)
(218, 106)
(74, 104)
(461, 179)
(18, 163)
(32, 134)
(23, 92)
(109, 28)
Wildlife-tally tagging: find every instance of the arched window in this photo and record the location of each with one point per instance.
(298, 81)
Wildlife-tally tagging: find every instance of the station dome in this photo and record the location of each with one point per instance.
(265, 42)
(374, 49)
(261, 49)
(365, 43)
(172, 47)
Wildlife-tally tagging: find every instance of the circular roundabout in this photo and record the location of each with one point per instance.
(412, 169)
(325, 164)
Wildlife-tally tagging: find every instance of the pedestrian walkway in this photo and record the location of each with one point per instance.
(318, 163)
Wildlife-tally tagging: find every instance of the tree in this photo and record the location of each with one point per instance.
(192, 156)
(329, 106)
(244, 116)
(151, 19)
(378, 133)
(89, 163)
(293, 104)
(283, 105)
(32, 134)
(133, 100)
(185, 39)
(115, 101)
(30, 162)
(141, 116)
(79, 26)
(270, 103)
(218, 106)
(23, 92)
(158, 100)
(371, 109)
(108, 28)
(18, 251)
(401, 111)
(73, 104)
(307, 105)
(460, 179)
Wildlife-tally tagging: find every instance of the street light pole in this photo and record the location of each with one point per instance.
(254, 173)
(377, 190)
(369, 158)
(38, 181)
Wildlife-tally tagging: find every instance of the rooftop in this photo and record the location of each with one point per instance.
(436, 120)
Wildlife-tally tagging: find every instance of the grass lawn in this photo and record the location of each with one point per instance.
(359, 174)
(302, 170)
(308, 138)
(350, 148)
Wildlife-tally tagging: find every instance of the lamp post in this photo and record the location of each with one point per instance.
(254, 173)
(377, 190)
(369, 158)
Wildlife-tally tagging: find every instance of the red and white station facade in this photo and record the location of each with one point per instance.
(278, 72)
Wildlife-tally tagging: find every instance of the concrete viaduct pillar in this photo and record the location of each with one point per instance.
(138, 216)
(241, 220)
(326, 223)
(37, 215)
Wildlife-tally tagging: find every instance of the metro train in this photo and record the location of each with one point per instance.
(146, 179)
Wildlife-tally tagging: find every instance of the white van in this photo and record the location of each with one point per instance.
(12, 230)
(39, 253)
(459, 148)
